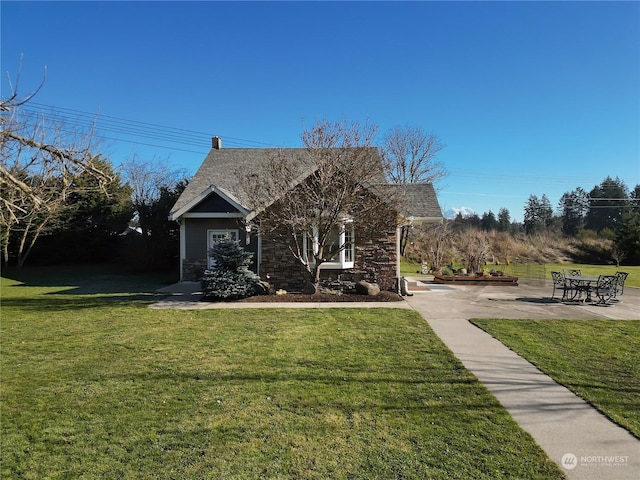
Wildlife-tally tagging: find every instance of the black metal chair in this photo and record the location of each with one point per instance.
(575, 272)
(621, 277)
(606, 289)
(559, 283)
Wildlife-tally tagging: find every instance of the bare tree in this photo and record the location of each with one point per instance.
(409, 155)
(155, 187)
(307, 197)
(148, 179)
(39, 161)
(436, 242)
(474, 247)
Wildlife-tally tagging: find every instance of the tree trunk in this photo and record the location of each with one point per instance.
(315, 285)
(25, 246)
(404, 237)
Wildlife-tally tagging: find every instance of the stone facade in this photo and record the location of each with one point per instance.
(377, 259)
(375, 262)
(280, 268)
(193, 269)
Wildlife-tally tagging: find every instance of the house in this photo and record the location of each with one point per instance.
(214, 205)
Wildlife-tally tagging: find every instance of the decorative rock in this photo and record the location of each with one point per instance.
(366, 288)
(262, 288)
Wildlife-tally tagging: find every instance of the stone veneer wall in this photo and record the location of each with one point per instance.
(192, 269)
(279, 268)
(375, 262)
(377, 259)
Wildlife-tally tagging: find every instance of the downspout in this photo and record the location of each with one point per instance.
(183, 247)
(398, 233)
(259, 247)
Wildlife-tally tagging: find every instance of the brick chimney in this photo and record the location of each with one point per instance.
(216, 142)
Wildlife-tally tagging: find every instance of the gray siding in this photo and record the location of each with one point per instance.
(196, 236)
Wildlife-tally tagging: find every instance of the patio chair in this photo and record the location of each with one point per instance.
(575, 272)
(559, 283)
(605, 289)
(621, 277)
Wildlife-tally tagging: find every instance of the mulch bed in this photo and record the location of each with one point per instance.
(475, 280)
(324, 297)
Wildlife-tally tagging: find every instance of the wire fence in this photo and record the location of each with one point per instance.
(530, 271)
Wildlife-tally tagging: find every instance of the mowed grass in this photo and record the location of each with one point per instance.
(598, 360)
(97, 385)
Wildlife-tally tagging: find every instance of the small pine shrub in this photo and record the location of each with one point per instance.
(229, 285)
(230, 278)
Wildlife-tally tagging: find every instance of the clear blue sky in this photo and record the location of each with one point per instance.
(529, 97)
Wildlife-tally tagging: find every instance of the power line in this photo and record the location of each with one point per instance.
(120, 129)
(133, 130)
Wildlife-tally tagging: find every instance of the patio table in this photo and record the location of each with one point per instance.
(582, 283)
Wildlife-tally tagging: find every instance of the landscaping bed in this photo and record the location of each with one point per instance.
(476, 280)
(323, 297)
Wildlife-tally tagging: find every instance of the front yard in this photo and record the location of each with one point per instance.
(96, 385)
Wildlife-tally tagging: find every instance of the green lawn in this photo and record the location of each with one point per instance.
(96, 385)
(598, 360)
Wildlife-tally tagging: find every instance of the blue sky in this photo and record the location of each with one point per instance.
(530, 98)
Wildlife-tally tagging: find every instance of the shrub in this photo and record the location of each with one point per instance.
(230, 277)
(229, 285)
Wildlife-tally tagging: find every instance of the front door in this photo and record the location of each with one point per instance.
(213, 237)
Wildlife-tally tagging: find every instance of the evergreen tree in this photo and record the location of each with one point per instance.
(628, 237)
(538, 214)
(573, 207)
(532, 219)
(488, 221)
(473, 220)
(88, 226)
(608, 202)
(459, 223)
(163, 243)
(504, 220)
(230, 277)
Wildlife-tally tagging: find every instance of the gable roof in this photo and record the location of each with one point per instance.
(178, 211)
(419, 200)
(221, 170)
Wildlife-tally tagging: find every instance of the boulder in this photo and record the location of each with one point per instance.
(366, 288)
(262, 288)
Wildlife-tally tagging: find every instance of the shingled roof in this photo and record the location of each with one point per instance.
(421, 201)
(220, 171)
(220, 168)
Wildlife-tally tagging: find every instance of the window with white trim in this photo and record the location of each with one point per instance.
(215, 235)
(340, 249)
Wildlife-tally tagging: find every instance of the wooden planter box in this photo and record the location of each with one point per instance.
(477, 280)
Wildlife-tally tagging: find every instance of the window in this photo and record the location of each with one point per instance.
(215, 235)
(336, 256)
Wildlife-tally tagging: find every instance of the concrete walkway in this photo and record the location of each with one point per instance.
(576, 436)
(582, 441)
